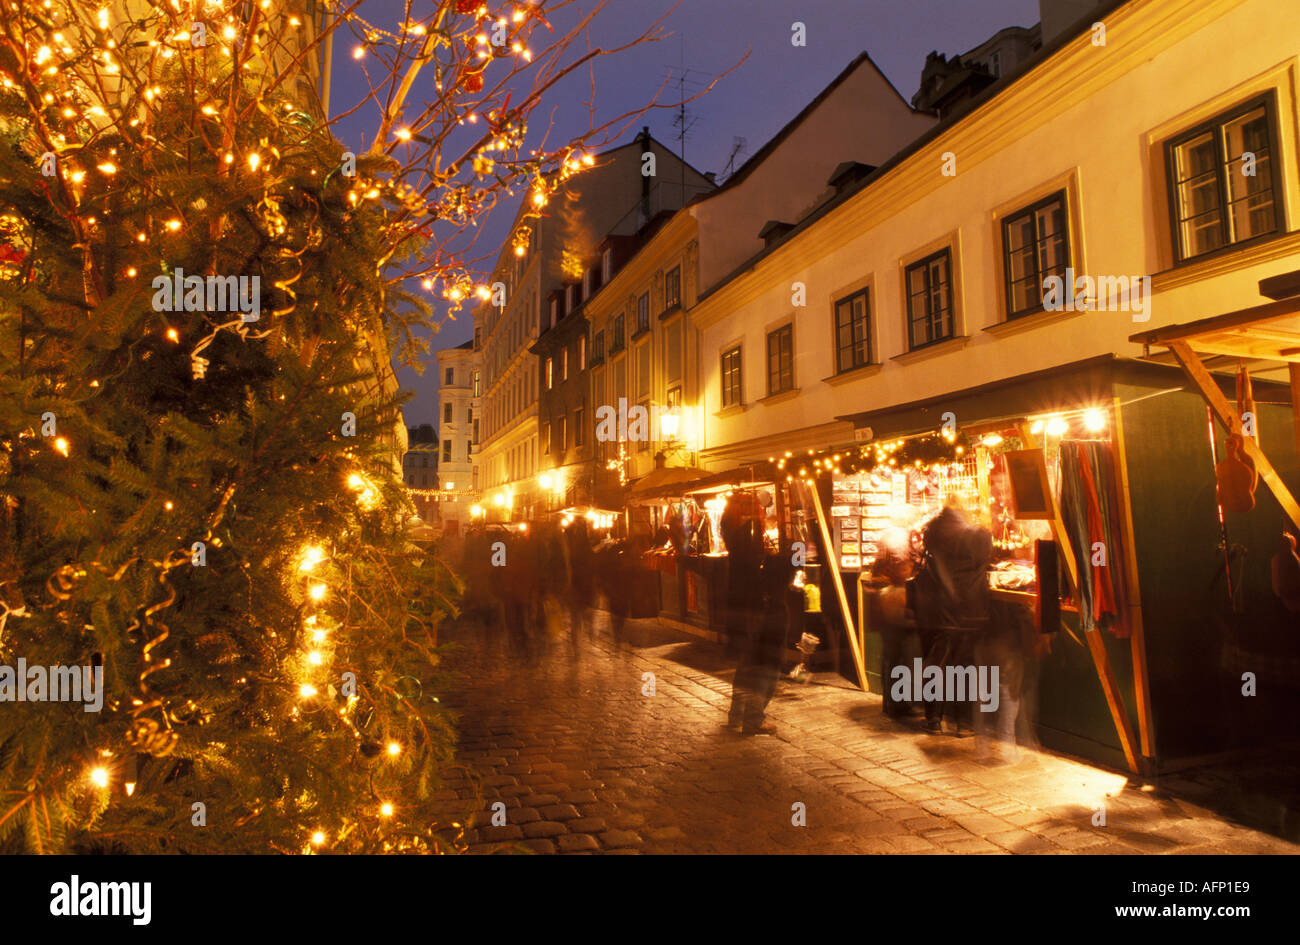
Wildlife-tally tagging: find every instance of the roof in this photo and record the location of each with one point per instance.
(1020, 74)
(1268, 332)
(774, 142)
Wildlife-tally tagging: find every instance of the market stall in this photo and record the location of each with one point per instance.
(687, 548)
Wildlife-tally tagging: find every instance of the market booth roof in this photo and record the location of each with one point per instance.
(679, 480)
(1269, 332)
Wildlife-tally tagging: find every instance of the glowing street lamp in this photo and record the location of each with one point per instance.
(669, 422)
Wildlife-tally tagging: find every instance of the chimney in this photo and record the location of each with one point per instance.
(644, 139)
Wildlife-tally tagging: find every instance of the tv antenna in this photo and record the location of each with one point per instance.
(738, 145)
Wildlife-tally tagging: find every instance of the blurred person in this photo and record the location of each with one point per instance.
(580, 567)
(952, 604)
(743, 535)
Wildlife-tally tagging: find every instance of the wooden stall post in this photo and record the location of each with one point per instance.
(834, 562)
(1096, 645)
(1137, 638)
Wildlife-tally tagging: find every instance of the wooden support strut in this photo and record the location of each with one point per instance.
(1137, 637)
(1096, 645)
(834, 562)
(1227, 415)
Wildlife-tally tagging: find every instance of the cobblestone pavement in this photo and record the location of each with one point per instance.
(585, 762)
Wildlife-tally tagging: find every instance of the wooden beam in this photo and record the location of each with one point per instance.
(1243, 317)
(1096, 645)
(1137, 636)
(1227, 415)
(833, 559)
(1295, 403)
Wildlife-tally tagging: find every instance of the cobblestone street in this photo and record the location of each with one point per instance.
(585, 762)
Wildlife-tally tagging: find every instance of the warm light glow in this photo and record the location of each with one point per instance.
(476, 511)
(107, 168)
(254, 160)
(545, 480)
(668, 423)
(173, 225)
(312, 555)
(1037, 427)
(99, 777)
(1056, 426)
(315, 658)
(386, 809)
(317, 592)
(169, 505)
(523, 526)
(450, 486)
(394, 749)
(1094, 420)
(173, 334)
(993, 439)
(61, 445)
(307, 691)
(318, 838)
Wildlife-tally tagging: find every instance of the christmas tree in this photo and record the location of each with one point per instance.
(202, 520)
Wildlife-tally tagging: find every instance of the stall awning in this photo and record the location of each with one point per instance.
(1268, 332)
(679, 480)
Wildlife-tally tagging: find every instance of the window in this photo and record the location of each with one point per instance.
(1035, 245)
(674, 397)
(570, 298)
(577, 427)
(478, 337)
(644, 443)
(642, 377)
(546, 437)
(673, 287)
(475, 440)
(582, 352)
(929, 300)
(643, 312)
(564, 434)
(587, 280)
(446, 413)
(616, 343)
(446, 451)
(780, 360)
(478, 384)
(469, 414)
(673, 351)
(853, 332)
(598, 346)
(995, 64)
(564, 364)
(731, 377)
(550, 373)
(1215, 200)
(606, 266)
(555, 312)
(451, 372)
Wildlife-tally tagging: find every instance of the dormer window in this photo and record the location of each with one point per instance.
(606, 266)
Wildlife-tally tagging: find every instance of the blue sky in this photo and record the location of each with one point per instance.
(707, 37)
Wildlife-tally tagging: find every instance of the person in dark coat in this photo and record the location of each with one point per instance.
(580, 567)
(612, 575)
(952, 604)
(747, 632)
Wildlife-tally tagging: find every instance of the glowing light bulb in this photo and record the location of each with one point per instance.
(394, 749)
(317, 592)
(307, 691)
(107, 167)
(318, 838)
(99, 777)
(254, 160)
(1094, 420)
(386, 809)
(315, 658)
(61, 445)
(312, 555)
(1056, 426)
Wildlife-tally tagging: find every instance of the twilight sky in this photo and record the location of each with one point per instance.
(754, 102)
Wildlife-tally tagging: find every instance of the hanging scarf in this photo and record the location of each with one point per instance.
(1088, 509)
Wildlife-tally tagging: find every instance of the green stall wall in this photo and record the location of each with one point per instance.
(1198, 645)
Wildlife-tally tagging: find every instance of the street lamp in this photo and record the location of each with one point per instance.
(668, 424)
